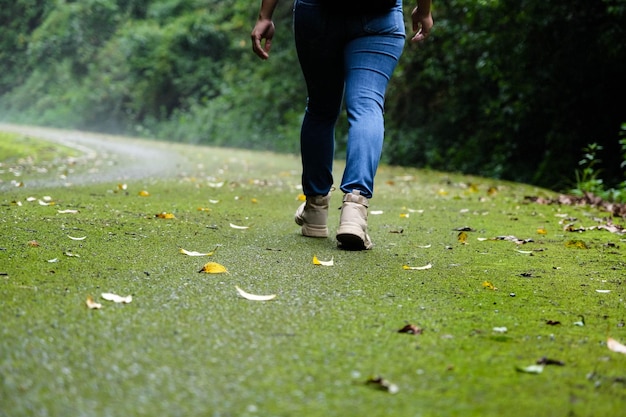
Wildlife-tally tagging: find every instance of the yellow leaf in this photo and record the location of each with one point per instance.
(416, 268)
(165, 215)
(542, 231)
(254, 201)
(462, 237)
(323, 263)
(492, 191)
(254, 297)
(576, 244)
(301, 197)
(404, 215)
(144, 193)
(122, 187)
(203, 209)
(442, 192)
(213, 268)
(488, 285)
(92, 304)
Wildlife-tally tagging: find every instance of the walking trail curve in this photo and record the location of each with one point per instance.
(103, 157)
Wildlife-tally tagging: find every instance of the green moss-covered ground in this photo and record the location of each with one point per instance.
(189, 345)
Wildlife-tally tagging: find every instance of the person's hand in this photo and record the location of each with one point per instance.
(422, 24)
(263, 31)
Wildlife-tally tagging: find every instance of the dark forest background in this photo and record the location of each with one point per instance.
(505, 89)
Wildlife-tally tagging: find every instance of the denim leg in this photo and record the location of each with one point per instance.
(321, 61)
(356, 52)
(370, 61)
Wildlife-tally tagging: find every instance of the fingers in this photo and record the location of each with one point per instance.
(262, 35)
(259, 50)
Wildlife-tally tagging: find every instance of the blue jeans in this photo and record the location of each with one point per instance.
(344, 58)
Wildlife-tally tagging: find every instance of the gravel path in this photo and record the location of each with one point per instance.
(103, 158)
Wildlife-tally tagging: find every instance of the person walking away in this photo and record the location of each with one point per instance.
(348, 50)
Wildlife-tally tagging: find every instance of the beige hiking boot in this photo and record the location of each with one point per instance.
(312, 215)
(352, 232)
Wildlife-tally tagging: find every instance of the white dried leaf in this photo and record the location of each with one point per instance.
(77, 238)
(194, 253)
(603, 291)
(500, 329)
(234, 226)
(615, 346)
(116, 298)
(376, 212)
(254, 297)
(67, 211)
(92, 304)
(532, 369)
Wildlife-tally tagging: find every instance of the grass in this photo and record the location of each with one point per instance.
(188, 345)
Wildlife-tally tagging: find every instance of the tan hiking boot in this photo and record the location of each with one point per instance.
(352, 232)
(312, 215)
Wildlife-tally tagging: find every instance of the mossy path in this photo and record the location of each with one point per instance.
(499, 284)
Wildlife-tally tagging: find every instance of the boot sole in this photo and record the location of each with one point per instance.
(352, 238)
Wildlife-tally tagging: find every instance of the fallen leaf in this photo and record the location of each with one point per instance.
(383, 384)
(532, 369)
(576, 244)
(548, 361)
(488, 285)
(165, 215)
(615, 346)
(67, 211)
(71, 255)
(404, 215)
(52, 261)
(462, 238)
(122, 187)
(116, 298)
(552, 322)
(194, 253)
(33, 244)
(603, 291)
(411, 329)
(301, 197)
(581, 322)
(144, 193)
(500, 329)
(416, 268)
(376, 212)
(234, 226)
(542, 231)
(254, 297)
(92, 304)
(77, 238)
(213, 268)
(323, 263)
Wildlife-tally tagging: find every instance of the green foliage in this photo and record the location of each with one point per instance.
(588, 177)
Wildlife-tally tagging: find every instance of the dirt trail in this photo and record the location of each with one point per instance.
(103, 157)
